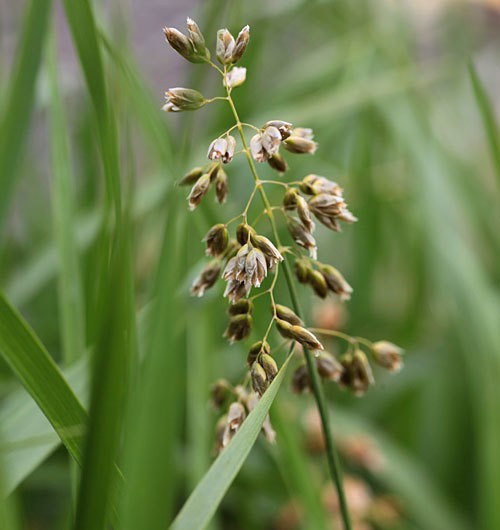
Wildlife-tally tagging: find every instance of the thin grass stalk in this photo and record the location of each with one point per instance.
(331, 451)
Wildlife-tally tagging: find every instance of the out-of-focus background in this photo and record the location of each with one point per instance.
(403, 100)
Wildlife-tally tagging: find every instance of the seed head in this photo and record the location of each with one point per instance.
(206, 279)
(269, 365)
(265, 144)
(299, 145)
(197, 39)
(219, 392)
(236, 290)
(235, 417)
(290, 199)
(278, 163)
(306, 338)
(283, 127)
(304, 214)
(255, 267)
(222, 149)
(239, 327)
(180, 43)
(286, 314)
(216, 240)
(335, 281)
(236, 77)
(357, 373)
(242, 307)
(181, 99)
(300, 380)
(225, 46)
(314, 184)
(190, 178)
(243, 233)
(302, 237)
(241, 44)
(221, 186)
(388, 355)
(328, 367)
(259, 378)
(302, 269)
(256, 349)
(318, 283)
(198, 191)
(271, 253)
(303, 132)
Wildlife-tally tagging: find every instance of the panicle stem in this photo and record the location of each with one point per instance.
(331, 451)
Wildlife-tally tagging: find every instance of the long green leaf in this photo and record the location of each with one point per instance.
(488, 117)
(34, 367)
(19, 104)
(203, 502)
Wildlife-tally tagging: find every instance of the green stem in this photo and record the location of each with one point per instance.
(331, 451)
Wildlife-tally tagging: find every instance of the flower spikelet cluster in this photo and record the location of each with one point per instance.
(249, 261)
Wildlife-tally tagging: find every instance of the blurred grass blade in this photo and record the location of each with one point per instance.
(26, 436)
(154, 421)
(488, 117)
(203, 502)
(110, 376)
(37, 371)
(20, 97)
(84, 33)
(71, 309)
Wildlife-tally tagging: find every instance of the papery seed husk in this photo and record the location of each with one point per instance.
(271, 140)
(285, 313)
(180, 43)
(271, 253)
(278, 163)
(304, 214)
(318, 283)
(219, 393)
(236, 77)
(335, 281)
(197, 39)
(225, 46)
(388, 355)
(206, 279)
(190, 178)
(240, 308)
(239, 327)
(243, 233)
(301, 236)
(300, 380)
(284, 328)
(221, 186)
(185, 99)
(236, 290)
(298, 145)
(328, 367)
(259, 378)
(256, 148)
(198, 191)
(303, 132)
(230, 148)
(305, 337)
(362, 375)
(241, 44)
(302, 268)
(217, 149)
(256, 349)
(290, 199)
(216, 240)
(284, 127)
(235, 417)
(269, 365)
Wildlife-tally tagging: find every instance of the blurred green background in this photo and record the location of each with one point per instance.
(98, 252)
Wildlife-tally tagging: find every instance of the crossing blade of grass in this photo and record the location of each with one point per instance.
(34, 367)
(154, 422)
(26, 436)
(488, 117)
(203, 502)
(20, 98)
(70, 291)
